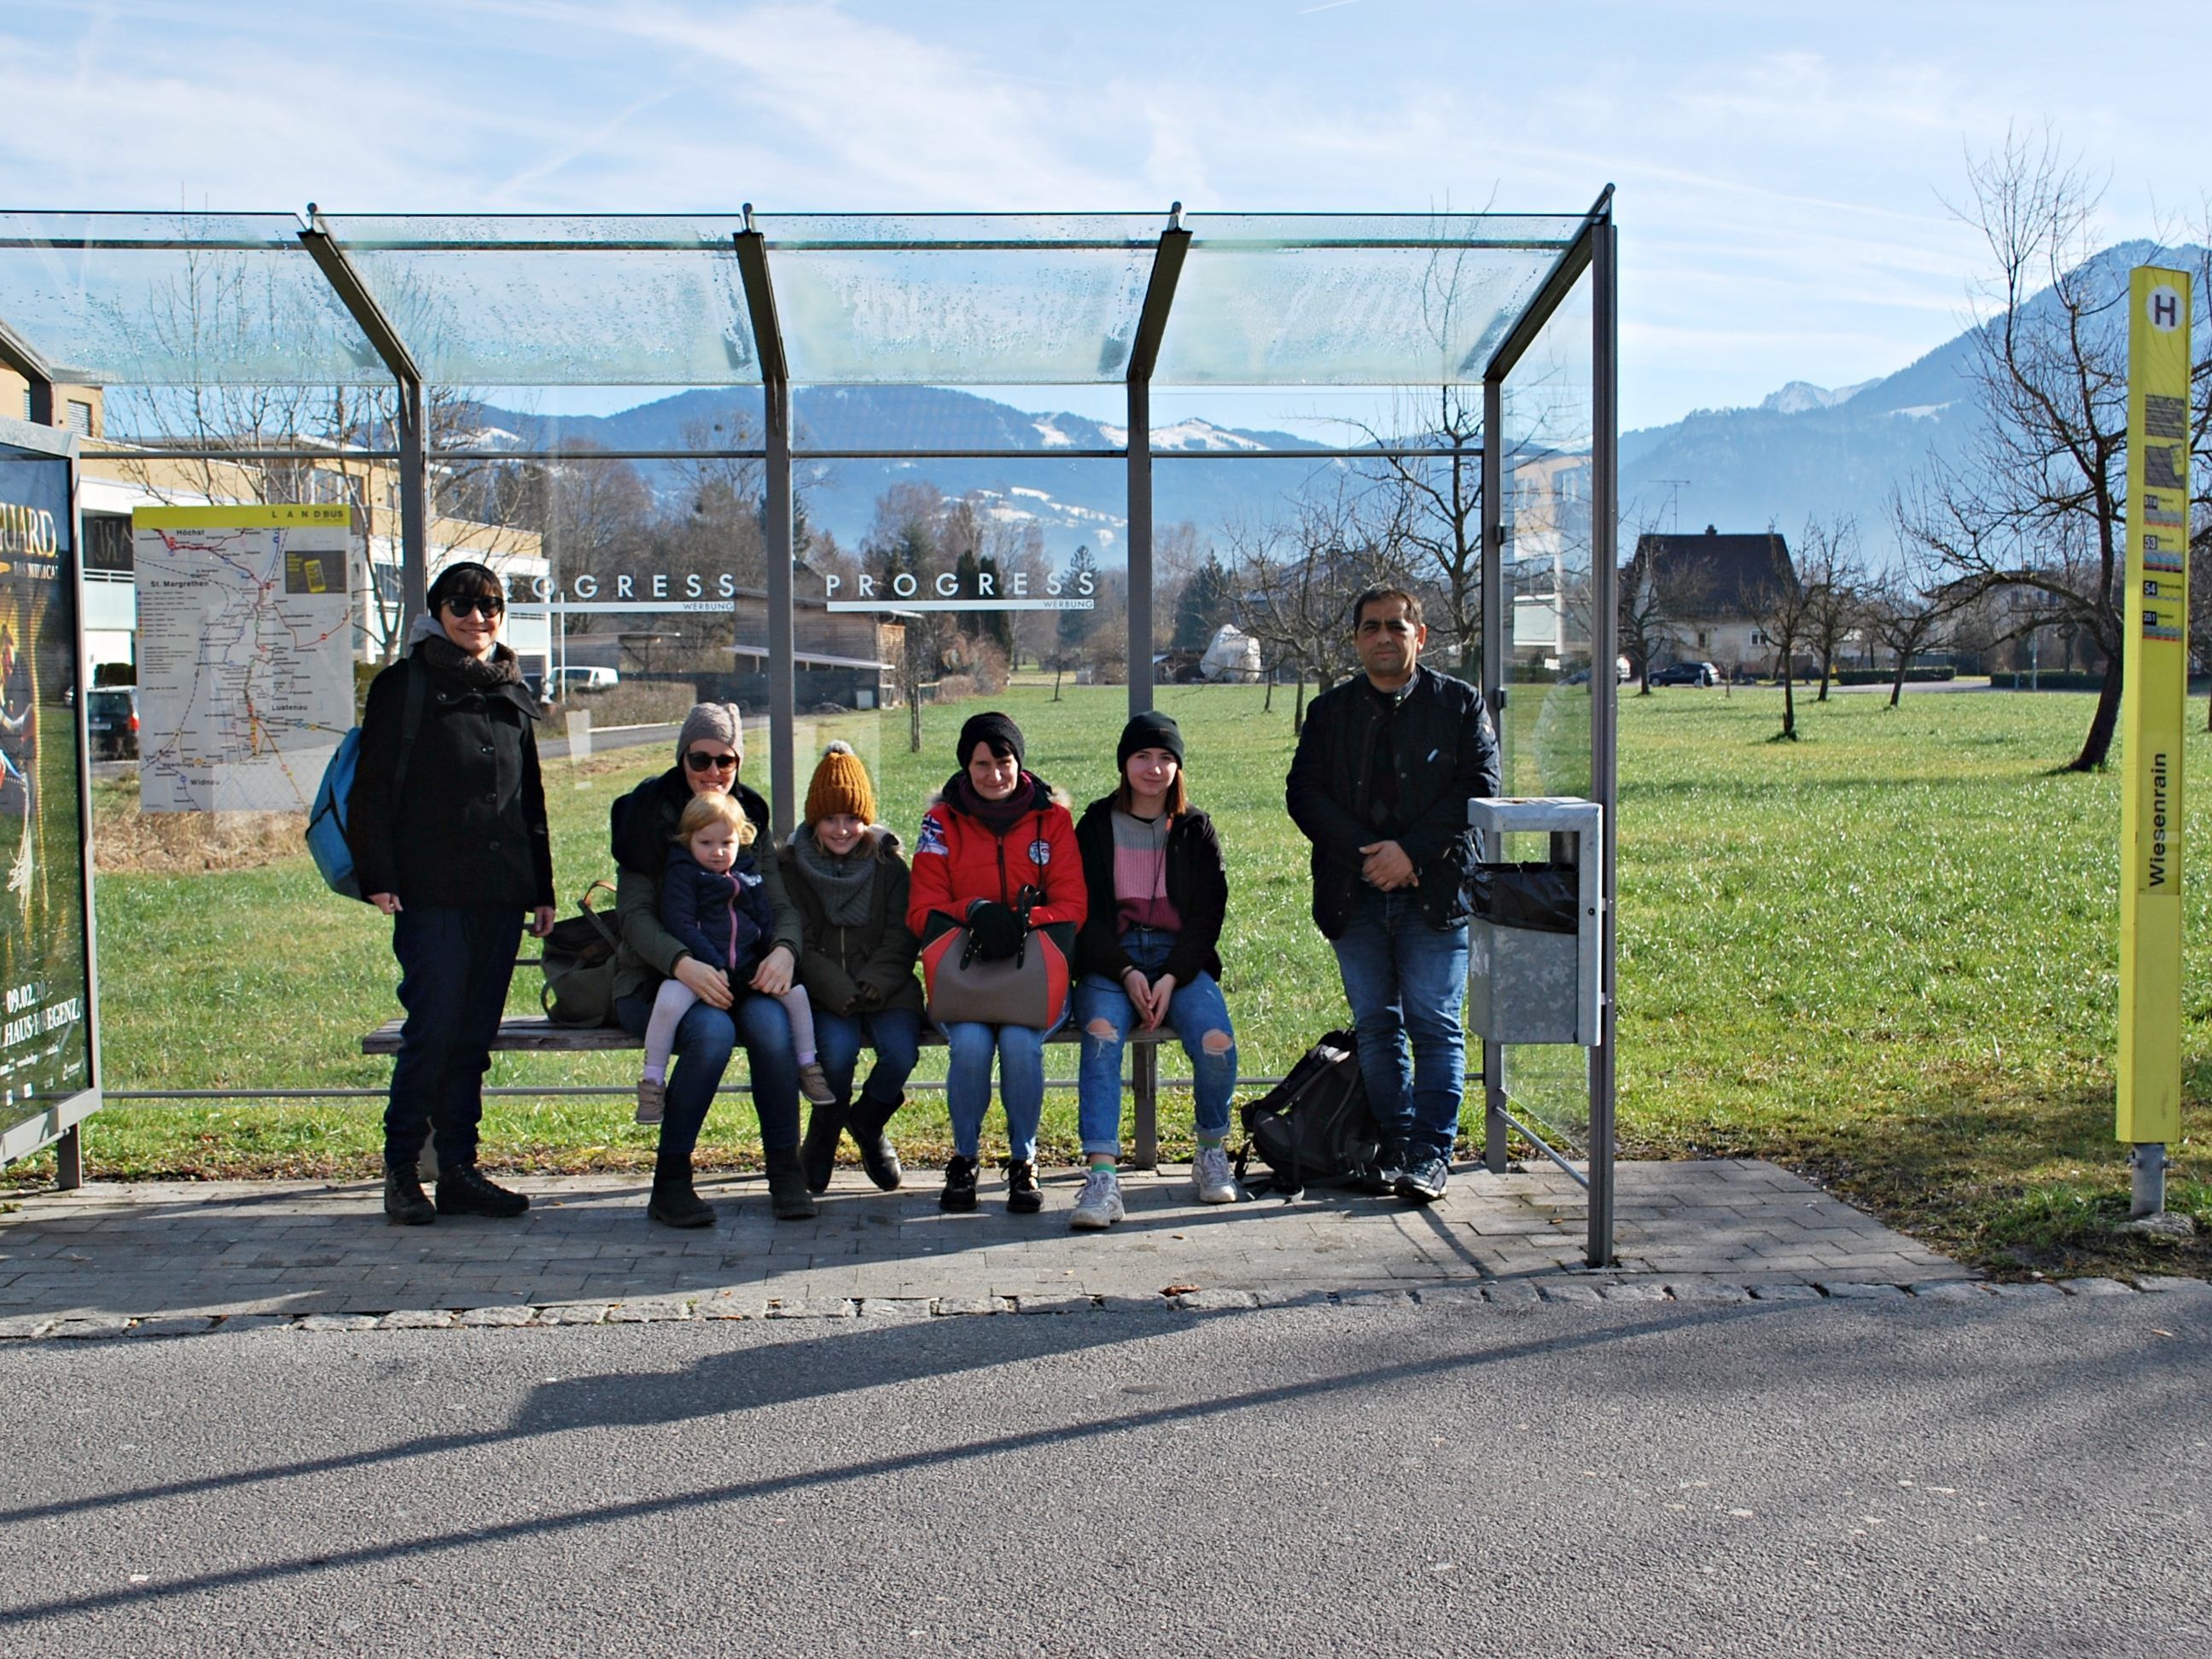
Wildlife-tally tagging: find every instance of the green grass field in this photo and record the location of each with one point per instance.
(1884, 955)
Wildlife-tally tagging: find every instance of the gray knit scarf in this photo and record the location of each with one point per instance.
(846, 883)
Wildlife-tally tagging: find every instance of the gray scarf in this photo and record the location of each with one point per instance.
(846, 884)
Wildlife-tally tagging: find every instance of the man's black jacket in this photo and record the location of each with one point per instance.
(1446, 756)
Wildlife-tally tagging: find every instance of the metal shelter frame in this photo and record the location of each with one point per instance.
(1583, 246)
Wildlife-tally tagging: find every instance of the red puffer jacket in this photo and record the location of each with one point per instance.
(958, 860)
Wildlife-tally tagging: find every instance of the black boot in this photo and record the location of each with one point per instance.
(1023, 1197)
(959, 1194)
(405, 1204)
(787, 1186)
(674, 1202)
(877, 1156)
(818, 1153)
(465, 1192)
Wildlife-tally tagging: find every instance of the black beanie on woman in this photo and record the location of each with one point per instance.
(996, 729)
(1150, 729)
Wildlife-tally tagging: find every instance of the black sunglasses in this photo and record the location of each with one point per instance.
(487, 605)
(699, 761)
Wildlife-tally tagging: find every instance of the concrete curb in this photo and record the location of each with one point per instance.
(1518, 1295)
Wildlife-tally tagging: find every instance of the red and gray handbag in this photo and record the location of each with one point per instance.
(1029, 987)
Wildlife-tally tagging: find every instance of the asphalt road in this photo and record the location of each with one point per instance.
(1892, 1478)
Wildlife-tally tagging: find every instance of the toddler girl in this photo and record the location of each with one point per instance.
(712, 898)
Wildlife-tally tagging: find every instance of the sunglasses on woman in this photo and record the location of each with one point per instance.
(699, 761)
(483, 605)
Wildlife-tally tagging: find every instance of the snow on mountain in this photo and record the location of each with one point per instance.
(1799, 396)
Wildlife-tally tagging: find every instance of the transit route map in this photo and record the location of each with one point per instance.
(245, 654)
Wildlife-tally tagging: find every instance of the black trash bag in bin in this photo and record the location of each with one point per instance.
(1544, 898)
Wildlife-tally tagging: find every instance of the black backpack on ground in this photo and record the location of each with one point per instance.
(1314, 1128)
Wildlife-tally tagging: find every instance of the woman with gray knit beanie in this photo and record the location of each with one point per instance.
(709, 750)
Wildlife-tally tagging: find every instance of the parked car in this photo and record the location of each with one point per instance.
(111, 719)
(578, 678)
(1686, 673)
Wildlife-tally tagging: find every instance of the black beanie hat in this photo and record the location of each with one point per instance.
(996, 729)
(1150, 729)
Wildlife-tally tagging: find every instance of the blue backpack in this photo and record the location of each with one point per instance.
(327, 823)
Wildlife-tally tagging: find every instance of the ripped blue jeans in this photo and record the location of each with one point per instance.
(1196, 1011)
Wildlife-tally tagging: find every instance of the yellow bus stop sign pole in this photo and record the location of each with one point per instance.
(2155, 683)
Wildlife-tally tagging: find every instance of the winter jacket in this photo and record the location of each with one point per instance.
(1198, 887)
(721, 916)
(878, 953)
(958, 861)
(641, 825)
(1446, 755)
(467, 826)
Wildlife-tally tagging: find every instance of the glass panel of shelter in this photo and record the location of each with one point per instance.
(1548, 673)
(578, 301)
(1290, 299)
(177, 299)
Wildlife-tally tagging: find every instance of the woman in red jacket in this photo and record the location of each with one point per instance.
(997, 856)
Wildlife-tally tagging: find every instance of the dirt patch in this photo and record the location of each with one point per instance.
(127, 842)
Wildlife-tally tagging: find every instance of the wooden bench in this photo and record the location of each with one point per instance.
(535, 1034)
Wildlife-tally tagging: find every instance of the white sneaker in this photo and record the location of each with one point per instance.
(1100, 1206)
(1211, 1182)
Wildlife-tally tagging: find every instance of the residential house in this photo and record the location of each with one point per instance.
(1710, 595)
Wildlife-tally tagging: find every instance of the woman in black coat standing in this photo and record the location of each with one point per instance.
(447, 829)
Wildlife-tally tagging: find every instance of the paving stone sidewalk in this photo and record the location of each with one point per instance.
(154, 1251)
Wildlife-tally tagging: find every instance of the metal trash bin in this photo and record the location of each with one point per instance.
(1533, 956)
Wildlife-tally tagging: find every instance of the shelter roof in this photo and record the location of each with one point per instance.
(170, 299)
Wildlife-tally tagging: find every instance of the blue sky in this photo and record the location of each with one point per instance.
(1781, 167)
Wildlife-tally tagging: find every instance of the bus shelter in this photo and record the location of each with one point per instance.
(1494, 333)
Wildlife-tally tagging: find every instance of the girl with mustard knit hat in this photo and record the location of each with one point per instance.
(846, 876)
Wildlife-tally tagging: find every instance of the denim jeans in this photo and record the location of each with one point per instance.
(454, 964)
(1020, 1050)
(704, 1039)
(1407, 982)
(1194, 1010)
(895, 1035)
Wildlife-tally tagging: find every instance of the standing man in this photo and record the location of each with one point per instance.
(1385, 769)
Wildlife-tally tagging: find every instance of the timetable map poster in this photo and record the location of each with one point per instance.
(46, 1041)
(244, 654)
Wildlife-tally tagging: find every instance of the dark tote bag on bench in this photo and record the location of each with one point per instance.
(1027, 989)
(579, 964)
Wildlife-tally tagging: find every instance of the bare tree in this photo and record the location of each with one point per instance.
(1835, 581)
(1296, 576)
(2038, 502)
(1782, 607)
(1904, 609)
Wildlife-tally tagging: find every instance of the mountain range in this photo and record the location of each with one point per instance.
(1804, 451)
(1072, 501)
(1807, 451)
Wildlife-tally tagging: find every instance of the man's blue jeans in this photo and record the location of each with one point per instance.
(1407, 982)
(704, 1039)
(455, 962)
(1196, 1011)
(1020, 1051)
(895, 1035)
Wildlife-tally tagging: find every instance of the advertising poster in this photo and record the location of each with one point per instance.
(45, 994)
